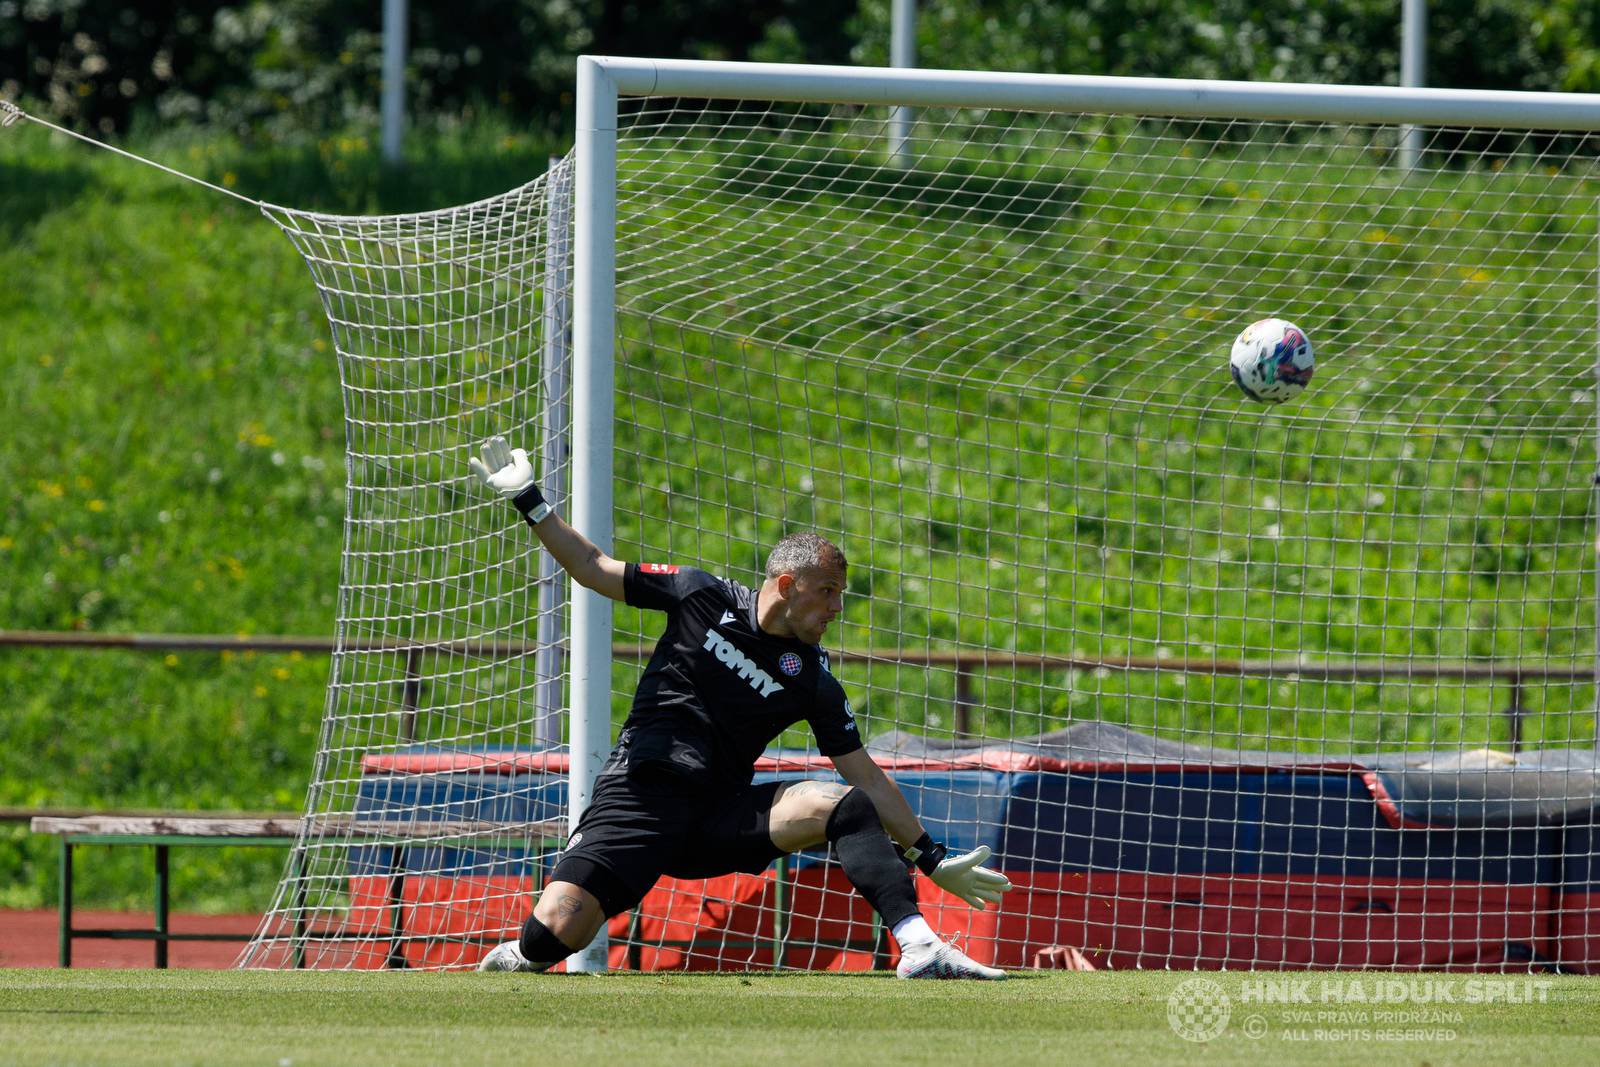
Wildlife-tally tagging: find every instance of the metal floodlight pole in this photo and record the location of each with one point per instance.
(593, 340)
(1413, 71)
(902, 53)
(394, 78)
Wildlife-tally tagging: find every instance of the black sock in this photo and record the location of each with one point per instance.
(540, 947)
(869, 858)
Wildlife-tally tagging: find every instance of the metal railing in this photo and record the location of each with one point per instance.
(966, 664)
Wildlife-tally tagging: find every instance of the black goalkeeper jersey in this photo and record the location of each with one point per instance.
(718, 689)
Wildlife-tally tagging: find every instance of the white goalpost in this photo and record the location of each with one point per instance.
(1221, 684)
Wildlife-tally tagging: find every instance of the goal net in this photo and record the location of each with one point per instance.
(1219, 683)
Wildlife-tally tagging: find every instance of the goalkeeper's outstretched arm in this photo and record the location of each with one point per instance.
(508, 471)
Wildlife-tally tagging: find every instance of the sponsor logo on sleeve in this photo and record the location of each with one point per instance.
(659, 568)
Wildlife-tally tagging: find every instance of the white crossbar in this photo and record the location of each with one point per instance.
(1084, 93)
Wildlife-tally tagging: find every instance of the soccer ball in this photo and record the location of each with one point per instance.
(1271, 361)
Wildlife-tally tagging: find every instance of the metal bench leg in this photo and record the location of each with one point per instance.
(64, 934)
(162, 893)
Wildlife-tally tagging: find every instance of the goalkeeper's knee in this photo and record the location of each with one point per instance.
(540, 947)
(854, 813)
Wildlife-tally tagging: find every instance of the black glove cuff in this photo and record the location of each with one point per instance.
(532, 504)
(926, 854)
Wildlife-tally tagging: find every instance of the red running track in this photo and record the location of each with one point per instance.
(28, 939)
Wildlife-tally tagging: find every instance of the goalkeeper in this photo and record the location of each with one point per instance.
(733, 670)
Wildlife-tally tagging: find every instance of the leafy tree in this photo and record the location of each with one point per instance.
(305, 65)
(1499, 44)
(293, 66)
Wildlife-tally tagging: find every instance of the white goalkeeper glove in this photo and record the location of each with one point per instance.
(508, 472)
(963, 876)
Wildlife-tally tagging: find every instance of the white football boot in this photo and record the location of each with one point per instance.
(939, 960)
(506, 956)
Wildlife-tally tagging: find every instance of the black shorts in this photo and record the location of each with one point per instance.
(642, 825)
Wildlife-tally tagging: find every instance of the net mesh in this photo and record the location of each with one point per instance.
(1217, 682)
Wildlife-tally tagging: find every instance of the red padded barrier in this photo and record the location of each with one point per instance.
(1578, 925)
(983, 759)
(444, 908)
(1119, 921)
(1127, 921)
(730, 922)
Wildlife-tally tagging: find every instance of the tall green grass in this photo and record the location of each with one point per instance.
(1004, 385)
(173, 458)
(175, 464)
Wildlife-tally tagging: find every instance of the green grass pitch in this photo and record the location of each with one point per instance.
(281, 1019)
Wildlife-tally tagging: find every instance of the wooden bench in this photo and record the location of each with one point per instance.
(164, 831)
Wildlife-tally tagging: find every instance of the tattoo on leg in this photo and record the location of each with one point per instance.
(568, 905)
(806, 788)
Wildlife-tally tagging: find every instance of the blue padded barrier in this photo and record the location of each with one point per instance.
(1202, 821)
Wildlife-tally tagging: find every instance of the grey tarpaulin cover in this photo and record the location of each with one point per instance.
(1477, 787)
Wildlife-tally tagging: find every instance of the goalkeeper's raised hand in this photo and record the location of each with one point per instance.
(508, 472)
(963, 876)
